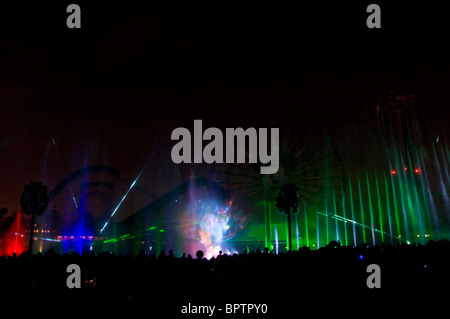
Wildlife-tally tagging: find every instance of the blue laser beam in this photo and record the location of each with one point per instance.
(129, 189)
(121, 201)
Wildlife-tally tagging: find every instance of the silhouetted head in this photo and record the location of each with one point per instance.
(199, 254)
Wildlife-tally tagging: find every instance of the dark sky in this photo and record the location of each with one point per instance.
(111, 92)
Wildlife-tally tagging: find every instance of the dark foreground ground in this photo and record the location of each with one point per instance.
(332, 280)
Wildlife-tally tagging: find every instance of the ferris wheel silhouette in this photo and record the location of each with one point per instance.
(307, 159)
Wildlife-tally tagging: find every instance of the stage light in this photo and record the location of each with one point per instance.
(417, 171)
(406, 169)
(394, 172)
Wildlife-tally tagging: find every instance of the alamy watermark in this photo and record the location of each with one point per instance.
(213, 152)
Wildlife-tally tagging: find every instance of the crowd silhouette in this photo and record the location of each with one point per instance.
(109, 277)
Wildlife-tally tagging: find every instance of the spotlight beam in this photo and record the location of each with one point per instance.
(123, 198)
(343, 219)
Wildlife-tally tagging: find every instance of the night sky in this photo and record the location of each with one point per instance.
(111, 92)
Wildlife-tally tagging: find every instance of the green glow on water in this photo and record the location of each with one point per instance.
(402, 200)
(335, 211)
(353, 210)
(343, 212)
(393, 207)
(395, 204)
(266, 242)
(370, 208)
(317, 230)
(361, 208)
(306, 226)
(286, 231)
(270, 224)
(380, 208)
(388, 208)
(326, 223)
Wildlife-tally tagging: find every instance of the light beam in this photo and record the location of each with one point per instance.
(123, 198)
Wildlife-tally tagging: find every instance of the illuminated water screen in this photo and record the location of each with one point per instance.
(375, 208)
(211, 224)
(405, 200)
(197, 215)
(13, 241)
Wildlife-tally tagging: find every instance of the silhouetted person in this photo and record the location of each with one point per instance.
(199, 254)
(162, 254)
(334, 244)
(141, 254)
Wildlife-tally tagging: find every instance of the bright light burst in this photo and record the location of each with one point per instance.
(211, 224)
